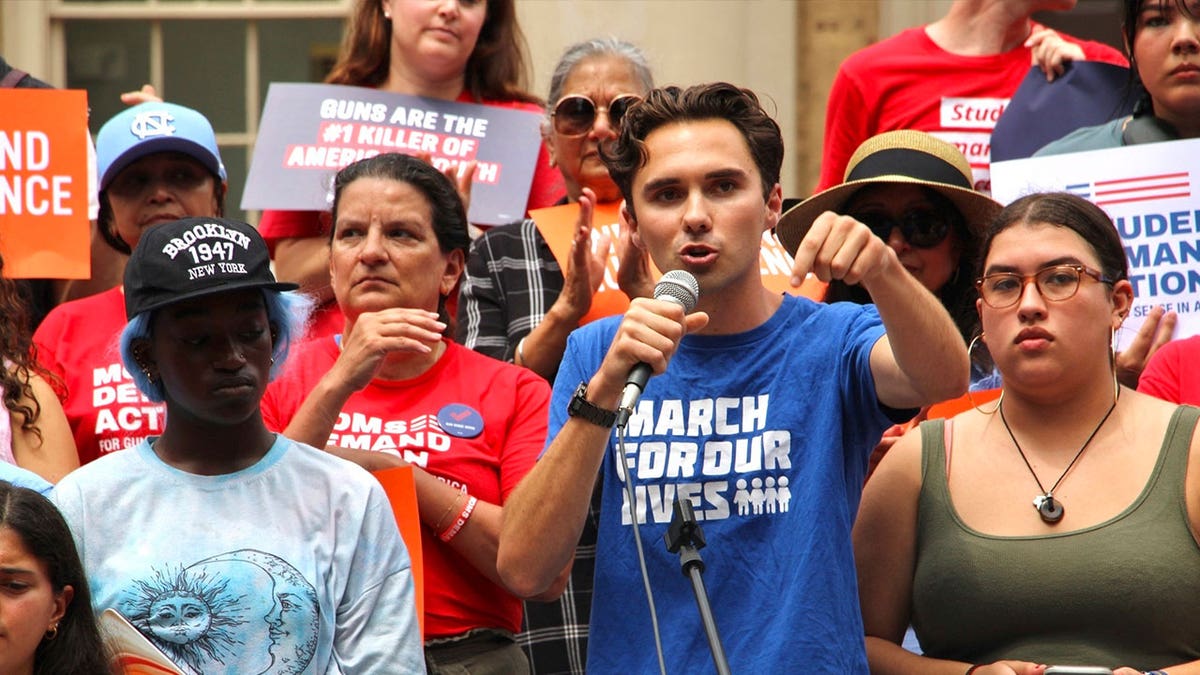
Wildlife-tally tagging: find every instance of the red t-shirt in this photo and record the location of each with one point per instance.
(415, 420)
(78, 341)
(1172, 373)
(908, 82)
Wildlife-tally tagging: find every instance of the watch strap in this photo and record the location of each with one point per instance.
(584, 409)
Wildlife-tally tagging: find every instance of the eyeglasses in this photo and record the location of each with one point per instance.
(1055, 283)
(574, 115)
(922, 228)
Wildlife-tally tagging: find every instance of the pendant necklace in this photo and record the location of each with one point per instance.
(1049, 508)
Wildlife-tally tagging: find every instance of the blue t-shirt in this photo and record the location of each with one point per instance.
(767, 432)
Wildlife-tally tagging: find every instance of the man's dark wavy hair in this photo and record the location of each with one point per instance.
(717, 100)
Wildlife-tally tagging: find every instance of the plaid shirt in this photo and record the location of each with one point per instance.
(511, 280)
(510, 283)
(554, 635)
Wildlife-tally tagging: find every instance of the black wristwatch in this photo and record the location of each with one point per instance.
(584, 409)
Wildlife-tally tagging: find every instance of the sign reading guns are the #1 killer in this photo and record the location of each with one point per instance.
(310, 131)
(44, 231)
(1152, 194)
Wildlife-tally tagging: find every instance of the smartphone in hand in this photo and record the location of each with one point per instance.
(1078, 670)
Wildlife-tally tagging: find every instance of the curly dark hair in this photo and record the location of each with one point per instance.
(17, 356)
(78, 647)
(667, 105)
(497, 69)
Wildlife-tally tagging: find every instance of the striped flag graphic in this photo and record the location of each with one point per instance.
(1135, 189)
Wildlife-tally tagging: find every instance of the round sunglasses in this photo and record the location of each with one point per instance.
(574, 115)
(922, 228)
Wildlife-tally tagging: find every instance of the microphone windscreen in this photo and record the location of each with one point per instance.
(678, 286)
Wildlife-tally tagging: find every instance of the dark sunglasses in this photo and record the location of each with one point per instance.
(574, 115)
(922, 228)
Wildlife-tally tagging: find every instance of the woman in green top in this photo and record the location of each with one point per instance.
(1058, 526)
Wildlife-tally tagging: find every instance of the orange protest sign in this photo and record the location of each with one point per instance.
(401, 491)
(44, 229)
(557, 225)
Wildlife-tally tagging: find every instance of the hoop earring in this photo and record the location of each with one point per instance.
(980, 410)
(1112, 365)
(970, 348)
(51, 633)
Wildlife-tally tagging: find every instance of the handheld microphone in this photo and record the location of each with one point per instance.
(676, 286)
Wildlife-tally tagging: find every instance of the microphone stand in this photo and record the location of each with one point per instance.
(685, 537)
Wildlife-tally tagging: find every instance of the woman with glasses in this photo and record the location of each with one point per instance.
(1059, 525)
(914, 191)
(516, 302)
(470, 51)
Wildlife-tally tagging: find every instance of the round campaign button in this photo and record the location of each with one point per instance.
(461, 420)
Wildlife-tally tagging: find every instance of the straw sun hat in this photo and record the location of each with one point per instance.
(907, 157)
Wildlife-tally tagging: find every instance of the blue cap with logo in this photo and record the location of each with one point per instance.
(149, 128)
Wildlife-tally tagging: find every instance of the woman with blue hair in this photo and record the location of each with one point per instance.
(208, 327)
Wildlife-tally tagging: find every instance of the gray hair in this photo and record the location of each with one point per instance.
(581, 51)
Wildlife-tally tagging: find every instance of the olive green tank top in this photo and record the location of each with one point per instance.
(1123, 592)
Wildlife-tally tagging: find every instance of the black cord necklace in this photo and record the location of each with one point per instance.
(1049, 508)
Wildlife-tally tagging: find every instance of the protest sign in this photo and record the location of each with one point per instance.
(310, 131)
(557, 226)
(44, 230)
(1148, 191)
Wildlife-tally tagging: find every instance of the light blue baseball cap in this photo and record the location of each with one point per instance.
(148, 128)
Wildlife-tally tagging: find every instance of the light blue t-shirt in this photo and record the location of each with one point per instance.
(25, 478)
(767, 433)
(292, 565)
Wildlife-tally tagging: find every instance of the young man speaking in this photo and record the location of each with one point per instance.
(764, 417)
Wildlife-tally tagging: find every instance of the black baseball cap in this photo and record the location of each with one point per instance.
(194, 257)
